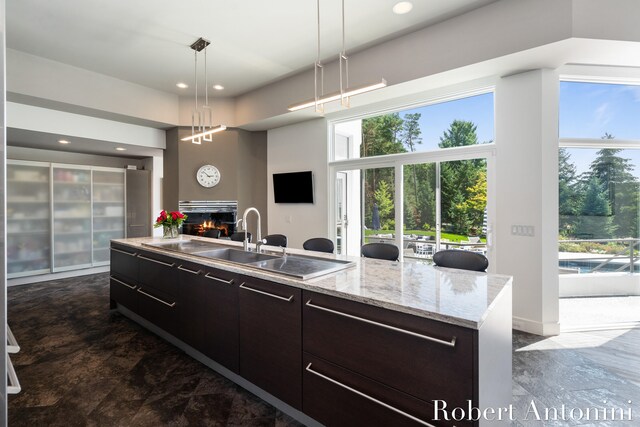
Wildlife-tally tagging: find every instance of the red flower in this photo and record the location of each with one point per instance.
(180, 215)
(174, 215)
(163, 214)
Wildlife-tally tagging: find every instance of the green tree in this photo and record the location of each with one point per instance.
(410, 137)
(569, 193)
(595, 214)
(457, 177)
(384, 198)
(615, 174)
(380, 135)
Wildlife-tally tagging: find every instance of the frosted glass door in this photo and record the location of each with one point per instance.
(71, 218)
(28, 219)
(108, 212)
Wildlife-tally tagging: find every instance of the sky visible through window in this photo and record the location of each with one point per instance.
(437, 118)
(589, 110)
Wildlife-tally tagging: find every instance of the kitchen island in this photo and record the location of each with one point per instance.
(376, 343)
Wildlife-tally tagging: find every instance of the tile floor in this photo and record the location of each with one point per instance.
(82, 365)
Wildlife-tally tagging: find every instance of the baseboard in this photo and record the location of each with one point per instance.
(54, 276)
(535, 327)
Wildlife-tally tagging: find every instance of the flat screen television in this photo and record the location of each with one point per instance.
(293, 187)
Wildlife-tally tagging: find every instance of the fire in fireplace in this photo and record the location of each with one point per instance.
(208, 215)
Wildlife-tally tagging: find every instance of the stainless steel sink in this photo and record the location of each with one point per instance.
(300, 266)
(235, 255)
(186, 246)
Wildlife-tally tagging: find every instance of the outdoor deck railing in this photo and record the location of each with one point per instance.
(624, 259)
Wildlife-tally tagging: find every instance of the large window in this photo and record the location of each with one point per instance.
(425, 128)
(418, 178)
(599, 203)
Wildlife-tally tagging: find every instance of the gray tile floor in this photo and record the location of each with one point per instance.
(81, 365)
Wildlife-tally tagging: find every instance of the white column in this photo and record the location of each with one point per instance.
(526, 106)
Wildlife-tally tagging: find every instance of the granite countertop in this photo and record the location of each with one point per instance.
(453, 296)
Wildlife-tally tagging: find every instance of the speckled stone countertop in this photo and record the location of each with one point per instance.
(453, 296)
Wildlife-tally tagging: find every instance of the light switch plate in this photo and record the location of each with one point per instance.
(523, 230)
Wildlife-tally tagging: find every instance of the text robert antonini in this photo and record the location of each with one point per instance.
(532, 412)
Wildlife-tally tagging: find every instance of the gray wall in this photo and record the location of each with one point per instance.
(241, 157)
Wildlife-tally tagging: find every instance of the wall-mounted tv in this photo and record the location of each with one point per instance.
(293, 187)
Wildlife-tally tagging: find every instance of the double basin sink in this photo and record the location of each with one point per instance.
(299, 266)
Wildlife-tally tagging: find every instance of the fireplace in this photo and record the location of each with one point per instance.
(205, 215)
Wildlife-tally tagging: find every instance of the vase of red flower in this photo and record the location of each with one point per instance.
(169, 221)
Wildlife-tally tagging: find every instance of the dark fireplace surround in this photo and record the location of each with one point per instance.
(204, 215)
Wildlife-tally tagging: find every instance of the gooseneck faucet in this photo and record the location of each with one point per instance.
(244, 224)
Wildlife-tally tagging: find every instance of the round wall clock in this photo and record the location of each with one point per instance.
(208, 176)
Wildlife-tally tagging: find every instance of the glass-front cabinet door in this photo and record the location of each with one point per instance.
(72, 245)
(108, 212)
(28, 218)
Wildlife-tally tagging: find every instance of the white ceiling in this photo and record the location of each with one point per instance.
(254, 42)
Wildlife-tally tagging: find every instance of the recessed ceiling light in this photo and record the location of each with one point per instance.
(218, 87)
(63, 141)
(121, 149)
(182, 85)
(402, 7)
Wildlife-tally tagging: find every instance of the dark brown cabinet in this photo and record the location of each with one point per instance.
(158, 291)
(420, 358)
(209, 312)
(341, 362)
(271, 338)
(338, 397)
(124, 277)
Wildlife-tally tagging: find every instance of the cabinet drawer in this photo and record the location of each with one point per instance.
(158, 272)
(159, 308)
(210, 312)
(220, 312)
(270, 338)
(124, 292)
(427, 359)
(124, 261)
(337, 397)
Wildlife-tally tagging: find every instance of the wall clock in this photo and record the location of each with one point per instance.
(208, 176)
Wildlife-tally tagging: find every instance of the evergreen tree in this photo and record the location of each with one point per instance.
(457, 177)
(410, 138)
(620, 186)
(596, 221)
(380, 135)
(569, 193)
(384, 198)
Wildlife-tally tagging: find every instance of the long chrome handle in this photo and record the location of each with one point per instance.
(124, 252)
(451, 343)
(366, 396)
(14, 385)
(188, 270)
(123, 283)
(157, 299)
(156, 261)
(242, 285)
(209, 276)
(12, 343)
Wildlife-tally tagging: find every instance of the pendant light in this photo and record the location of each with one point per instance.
(201, 128)
(345, 92)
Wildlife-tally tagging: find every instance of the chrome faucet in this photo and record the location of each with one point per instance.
(245, 242)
